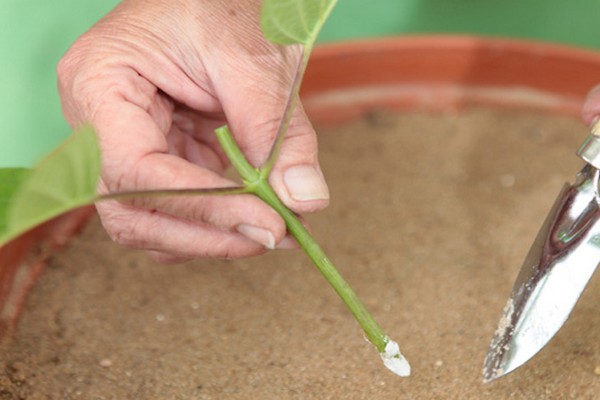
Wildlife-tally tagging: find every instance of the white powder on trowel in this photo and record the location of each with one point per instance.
(506, 320)
(394, 360)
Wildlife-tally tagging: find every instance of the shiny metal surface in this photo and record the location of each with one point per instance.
(590, 150)
(560, 263)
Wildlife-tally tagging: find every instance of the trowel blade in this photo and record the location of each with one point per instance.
(560, 263)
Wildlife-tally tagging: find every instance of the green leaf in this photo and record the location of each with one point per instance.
(10, 179)
(294, 21)
(66, 179)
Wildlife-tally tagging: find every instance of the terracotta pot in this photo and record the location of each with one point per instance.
(23, 260)
(347, 80)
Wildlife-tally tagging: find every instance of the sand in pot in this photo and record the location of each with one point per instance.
(430, 219)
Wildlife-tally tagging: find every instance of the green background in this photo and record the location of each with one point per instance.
(35, 33)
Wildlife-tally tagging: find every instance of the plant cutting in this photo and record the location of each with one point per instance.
(68, 177)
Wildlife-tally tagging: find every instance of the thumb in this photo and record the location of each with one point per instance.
(297, 177)
(254, 102)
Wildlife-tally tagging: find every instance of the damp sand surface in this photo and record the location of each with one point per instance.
(430, 219)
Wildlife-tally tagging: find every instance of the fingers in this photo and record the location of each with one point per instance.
(192, 137)
(241, 214)
(132, 122)
(253, 98)
(161, 257)
(135, 157)
(113, 82)
(171, 239)
(591, 106)
(245, 214)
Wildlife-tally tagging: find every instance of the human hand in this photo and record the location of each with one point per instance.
(590, 112)
(155, 78)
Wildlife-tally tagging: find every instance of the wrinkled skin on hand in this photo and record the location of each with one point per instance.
(155, 78)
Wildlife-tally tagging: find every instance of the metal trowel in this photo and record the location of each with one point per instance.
(560, 263)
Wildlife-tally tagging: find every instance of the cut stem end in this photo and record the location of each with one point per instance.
(394, 360)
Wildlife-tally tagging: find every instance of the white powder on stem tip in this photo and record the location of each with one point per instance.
(394, 360)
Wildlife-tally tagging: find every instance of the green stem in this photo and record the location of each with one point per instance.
(290, 106)
(258, 185)
(371, 328)
(248, 173)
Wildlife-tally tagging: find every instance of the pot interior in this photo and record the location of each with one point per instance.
(430, 219)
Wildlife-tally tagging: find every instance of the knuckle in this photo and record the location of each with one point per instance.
(123, 228)
(120, 178)
(123, 235)
(69, 63)
(200, 212)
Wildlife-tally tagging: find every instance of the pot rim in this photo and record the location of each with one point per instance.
(346, 79)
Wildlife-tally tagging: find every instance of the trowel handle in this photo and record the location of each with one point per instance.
(589, 151)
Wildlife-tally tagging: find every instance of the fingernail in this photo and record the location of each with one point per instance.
(304, 183)
(259, 235)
